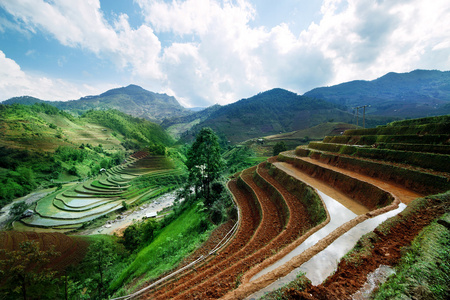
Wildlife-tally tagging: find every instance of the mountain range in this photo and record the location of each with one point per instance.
(418, 93)
(393, 96)
(132, 100)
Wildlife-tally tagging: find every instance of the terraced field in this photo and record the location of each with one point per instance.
(75, 204)
(280, 207)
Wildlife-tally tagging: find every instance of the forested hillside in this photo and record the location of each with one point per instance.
(41, 145)
(416, 94)
(132, 100)
(273, 112)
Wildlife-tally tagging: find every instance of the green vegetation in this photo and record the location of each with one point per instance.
(433, 161)
(89, 279)
(131, 128)
(299, 284)
(424, 270)
(279, 147)
(23, 273)
(17, 210)
(42, 146)
(272, 112)
(204, 164)
(179, 235)
(159, 247)
(241, 157)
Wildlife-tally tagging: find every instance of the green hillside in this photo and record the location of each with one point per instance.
(178, 125)
(41, 145)
(264, 146)
(419, 93)
(273, 112)
(132, 100)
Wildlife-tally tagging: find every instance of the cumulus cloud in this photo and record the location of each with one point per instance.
(82, 24)
(366, 39)
(211, 52)
(15, 82)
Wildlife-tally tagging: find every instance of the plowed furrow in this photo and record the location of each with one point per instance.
(218, 284)
(250, 220)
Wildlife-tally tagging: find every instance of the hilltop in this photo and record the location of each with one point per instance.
(272, 112)
(132, 100)
(41, 145)
(418, 93)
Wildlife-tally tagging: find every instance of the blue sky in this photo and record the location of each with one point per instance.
(213, 51)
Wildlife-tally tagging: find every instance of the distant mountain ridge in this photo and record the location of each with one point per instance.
(132, 100)
(418, 93)
(271, 112)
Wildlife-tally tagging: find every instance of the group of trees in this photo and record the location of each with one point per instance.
(23, 272)
(139, 234)
(206, 166)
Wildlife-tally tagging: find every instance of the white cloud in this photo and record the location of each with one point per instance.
(366, 39)
(81, 24)
(15, 82)
(217, 56)
(229, 59)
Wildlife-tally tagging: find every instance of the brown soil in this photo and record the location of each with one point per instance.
(249, 223)
(219, 276)
(387, 251)
(224, 276)
(72, 249)
(403, 194)
(260, 237)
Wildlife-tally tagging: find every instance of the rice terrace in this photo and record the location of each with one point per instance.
(296, 150)
(314, 222)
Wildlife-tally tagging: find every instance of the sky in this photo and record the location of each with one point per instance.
(205, 52)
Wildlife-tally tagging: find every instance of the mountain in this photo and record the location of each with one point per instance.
(178, 125)
(271, 112)
(132, 100)
(40, 145)
(419, 93)
(44, 127)
(25, 100)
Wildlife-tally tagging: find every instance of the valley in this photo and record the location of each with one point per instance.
(281, 197)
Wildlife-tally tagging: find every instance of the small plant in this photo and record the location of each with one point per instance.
(238, 280)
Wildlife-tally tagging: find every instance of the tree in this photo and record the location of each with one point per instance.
(17, 209)
(100, 256)
(23, 268)
(204, 162)
(132, 237)
(279, 147)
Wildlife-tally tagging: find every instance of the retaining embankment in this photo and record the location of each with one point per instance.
(417, 181)
(363, 192)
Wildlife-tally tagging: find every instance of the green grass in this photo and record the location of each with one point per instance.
(298, 284)
(424, 271)
(438, 162)
(168, 248)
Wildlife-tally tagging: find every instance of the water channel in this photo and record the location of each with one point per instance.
(319, 267)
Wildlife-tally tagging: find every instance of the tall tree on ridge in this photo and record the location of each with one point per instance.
(204, 162)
